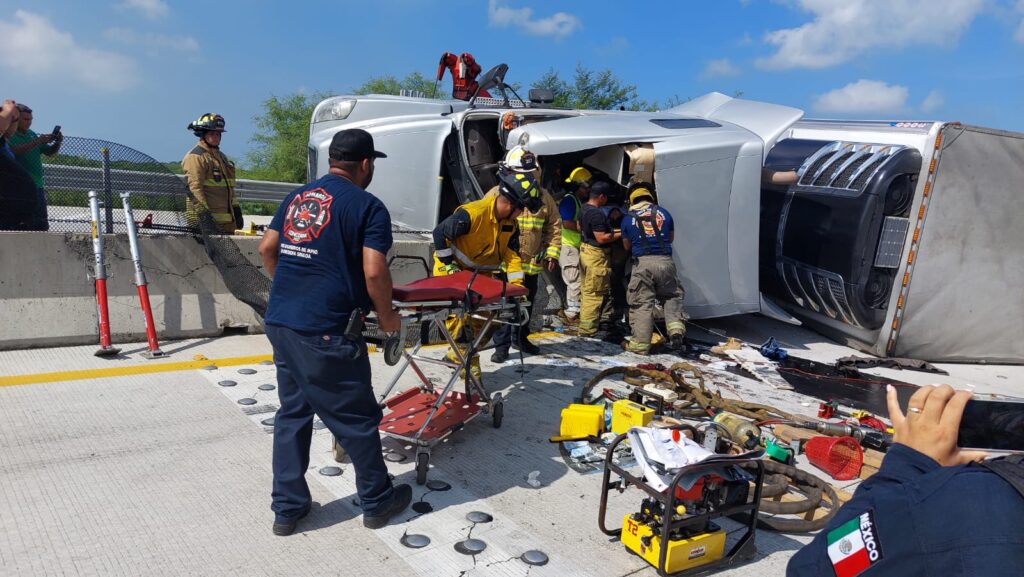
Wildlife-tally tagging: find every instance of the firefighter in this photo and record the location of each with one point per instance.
(211, 177)
(539, 246)
(570, 209)
(647, 232)
(595, 264)
(483, 234)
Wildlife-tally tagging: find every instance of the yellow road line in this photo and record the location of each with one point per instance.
(124, 371)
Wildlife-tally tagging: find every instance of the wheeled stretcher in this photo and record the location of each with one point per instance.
(423, 415)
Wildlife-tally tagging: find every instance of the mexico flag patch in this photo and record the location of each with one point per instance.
(853, 547)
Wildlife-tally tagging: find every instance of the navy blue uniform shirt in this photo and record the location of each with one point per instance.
(638, 228)
(319, 278)
(916, 518)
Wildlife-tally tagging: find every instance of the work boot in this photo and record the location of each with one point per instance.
(677, 341)
(527, 347)
(568, 320)
(284, 526)
(399, 501)
(636, 348)
(499, 356)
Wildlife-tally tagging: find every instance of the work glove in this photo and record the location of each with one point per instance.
(451, 268)
(237, 212)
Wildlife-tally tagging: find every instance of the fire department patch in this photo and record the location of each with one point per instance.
(308, 213)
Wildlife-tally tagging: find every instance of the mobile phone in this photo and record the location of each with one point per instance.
(992, 425)
(56, 130)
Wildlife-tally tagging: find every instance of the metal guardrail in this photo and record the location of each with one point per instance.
(85, 178)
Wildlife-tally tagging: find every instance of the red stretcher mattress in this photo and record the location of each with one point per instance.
(485, 290)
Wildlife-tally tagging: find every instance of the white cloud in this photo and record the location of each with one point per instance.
(559, 24)
(152, 9)
(842, 30)
(152, 43)
(863, 96)
(934, 101)
(719, 68)
(34, 48)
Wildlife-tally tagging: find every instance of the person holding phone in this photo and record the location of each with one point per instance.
(28, 148)
(931, 509)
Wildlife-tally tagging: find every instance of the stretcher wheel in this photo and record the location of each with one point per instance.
(421, 467)
(392, 350)
(498, 411)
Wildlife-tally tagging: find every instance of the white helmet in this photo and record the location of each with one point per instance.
(520, 160)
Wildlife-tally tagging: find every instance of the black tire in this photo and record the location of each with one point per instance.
(392, 350)
(422, 466)
(498, 410)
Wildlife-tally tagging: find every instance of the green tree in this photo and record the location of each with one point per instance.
(593, 89)
(281, 138)
(413, 83)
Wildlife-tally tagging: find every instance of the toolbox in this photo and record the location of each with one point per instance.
(582, 421)
(627, 414)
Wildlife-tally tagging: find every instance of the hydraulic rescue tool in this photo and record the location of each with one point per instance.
(140, 279)
(100, 275)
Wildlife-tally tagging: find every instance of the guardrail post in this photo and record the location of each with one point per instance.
(108, 202)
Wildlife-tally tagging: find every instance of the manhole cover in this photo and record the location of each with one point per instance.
(470, 547)
(438, 486)
(534, 557)
(478, 517)
(330, 471)
(318, 425)
(227, 383)
(269, 422)
(422, 507)
(415, 541)
(394, 457)
(247, 371)
(266, 387)
(247, 401)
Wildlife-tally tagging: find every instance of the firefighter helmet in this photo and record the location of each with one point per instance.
(521, 188)
(208, 122)
(520, 160)
(639, 190)
(580, 176)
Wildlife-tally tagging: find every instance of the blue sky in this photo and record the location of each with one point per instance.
(137, 71)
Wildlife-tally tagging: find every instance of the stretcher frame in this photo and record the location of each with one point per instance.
(452, 409)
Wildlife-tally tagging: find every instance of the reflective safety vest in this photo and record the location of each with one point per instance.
(211, 178)
(487, 244)
(538, 233)
(571, 237)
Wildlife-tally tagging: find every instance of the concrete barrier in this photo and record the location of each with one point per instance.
(47, 296)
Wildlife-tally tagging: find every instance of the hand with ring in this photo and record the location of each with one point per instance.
(932, 423)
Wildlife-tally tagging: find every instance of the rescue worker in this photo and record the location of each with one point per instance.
(595, 264)
(484, 234)
(539, 246)
(570, 209)
(211, 177)
(647, 232)
(931, 509)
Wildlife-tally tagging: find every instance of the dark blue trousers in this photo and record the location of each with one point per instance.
(328, 375)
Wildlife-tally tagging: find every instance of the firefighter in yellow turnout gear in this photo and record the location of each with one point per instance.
(647, 232)
(211, 177)
(539, 246)
(480, 235)
(595, 262)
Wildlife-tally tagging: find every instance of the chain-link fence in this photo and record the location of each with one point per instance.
(159, 199)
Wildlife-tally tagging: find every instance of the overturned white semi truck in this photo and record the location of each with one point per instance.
(897, 238)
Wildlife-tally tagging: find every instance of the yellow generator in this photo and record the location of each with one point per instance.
(673, 529)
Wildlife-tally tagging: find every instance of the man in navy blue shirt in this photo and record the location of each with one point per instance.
(647, 232)
(929, 510)
(326, 252)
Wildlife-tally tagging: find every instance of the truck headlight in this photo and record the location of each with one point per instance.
(333, 109)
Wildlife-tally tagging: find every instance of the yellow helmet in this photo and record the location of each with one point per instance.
(580, 175)
(639, 193)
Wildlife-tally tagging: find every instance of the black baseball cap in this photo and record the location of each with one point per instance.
(353, 144)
